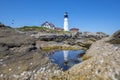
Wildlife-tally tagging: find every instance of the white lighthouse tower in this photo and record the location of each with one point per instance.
(66, 21)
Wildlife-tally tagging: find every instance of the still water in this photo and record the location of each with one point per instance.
(66, 58)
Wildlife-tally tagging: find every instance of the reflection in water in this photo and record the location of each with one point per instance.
(66, 58)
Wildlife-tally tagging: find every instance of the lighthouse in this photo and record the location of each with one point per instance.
(66, 21)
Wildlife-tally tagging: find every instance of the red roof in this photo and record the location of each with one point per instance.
(74, 29)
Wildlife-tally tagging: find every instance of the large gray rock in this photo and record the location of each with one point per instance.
(115, 38)
(19, 57)
(52, 37)
(97, 35)
(3, 47)
(102, 62)
(2, 26)
(47, 37)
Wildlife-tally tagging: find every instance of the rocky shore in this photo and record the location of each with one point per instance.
(102, 61)
(20, 58)
(24, 54)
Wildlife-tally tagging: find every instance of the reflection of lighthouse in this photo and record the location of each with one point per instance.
(66, 21)
(65, 57)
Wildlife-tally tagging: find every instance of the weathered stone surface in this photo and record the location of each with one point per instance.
(52, 36)
(51, 45)
(47, 37)
(85, 35)
(103, 63)
(20, 58)
(3, 48)
(115, 38)
(85, 43)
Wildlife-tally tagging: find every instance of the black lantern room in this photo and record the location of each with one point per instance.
(66, 15)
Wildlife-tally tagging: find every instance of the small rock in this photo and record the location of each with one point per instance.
(16, 76)
(1, 75)
(4, 65)
(10, 69)
(31, 63)
(89, 65)
(116, 48)
(101, 61)
(1, 63)
(1, 60)
(19, 67)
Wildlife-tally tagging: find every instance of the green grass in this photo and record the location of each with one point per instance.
(41, 29)
(49, 48)
(33, 28)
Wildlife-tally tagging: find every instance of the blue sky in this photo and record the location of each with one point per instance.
(87, 15)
